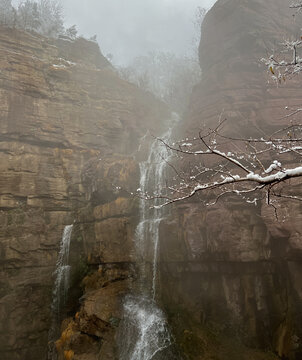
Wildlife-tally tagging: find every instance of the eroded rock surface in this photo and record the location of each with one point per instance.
(230, 275)
(69, 128)
(234, 268)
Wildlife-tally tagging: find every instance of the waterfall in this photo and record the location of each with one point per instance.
(144, 333)
(152, 177)
(62, 272)
(60, 290)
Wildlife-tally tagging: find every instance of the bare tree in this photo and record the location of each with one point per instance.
(218, 165)
(43, 16)
(51, 15)
(28, 17)
(289, 62)
(7, 13)
(169, 77)
(199, 15)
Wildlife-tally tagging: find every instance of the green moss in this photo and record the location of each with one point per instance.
(114, 321)
(79, 239)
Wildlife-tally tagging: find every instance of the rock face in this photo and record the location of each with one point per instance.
(233, 269)
(236, 35)
(69, 128)
(230, 275)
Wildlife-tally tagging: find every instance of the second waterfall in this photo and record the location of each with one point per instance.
(144, 334)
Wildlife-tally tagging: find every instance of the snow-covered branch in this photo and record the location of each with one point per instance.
(296, 5)
(215, 165)
(289, 60)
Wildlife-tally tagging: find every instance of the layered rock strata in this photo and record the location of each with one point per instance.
(229, 275)
(234, 269)
(69, 128)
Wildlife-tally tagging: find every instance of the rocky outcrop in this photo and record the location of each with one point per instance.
(233, 271)
(90, 333)
(69, 128)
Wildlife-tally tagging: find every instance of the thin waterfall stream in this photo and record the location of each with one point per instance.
(144, 333)
(60, 289)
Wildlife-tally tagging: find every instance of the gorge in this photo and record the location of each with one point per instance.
(182, 282)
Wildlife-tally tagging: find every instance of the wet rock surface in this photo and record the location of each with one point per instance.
(234, 268)
(230, 275)
(69, 128)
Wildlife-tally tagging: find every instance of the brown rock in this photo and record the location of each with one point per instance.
(62, 108)
(91, 334)
(235, 266)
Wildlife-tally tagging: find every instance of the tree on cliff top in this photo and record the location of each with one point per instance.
(168, 76)
(43, 16)
(7, 13)
(28, 17)
(51, 18)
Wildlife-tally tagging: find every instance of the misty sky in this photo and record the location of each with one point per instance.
(128, 28)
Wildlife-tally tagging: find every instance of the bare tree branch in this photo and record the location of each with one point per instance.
(249, 166)
(252, 168)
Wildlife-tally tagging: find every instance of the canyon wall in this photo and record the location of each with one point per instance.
(233, 271)
(69, 128)
(70, 131)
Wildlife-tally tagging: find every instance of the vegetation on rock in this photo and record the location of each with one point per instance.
(43, 16)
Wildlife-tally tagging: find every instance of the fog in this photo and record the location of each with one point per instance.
(128, 28)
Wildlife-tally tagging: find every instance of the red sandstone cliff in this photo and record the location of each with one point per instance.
(236, 35)
(230, 274)
(233, 267)
(68, 129)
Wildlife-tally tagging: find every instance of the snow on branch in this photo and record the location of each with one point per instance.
(289, 65)
(215, 165)
(296, 5)
(289, 61)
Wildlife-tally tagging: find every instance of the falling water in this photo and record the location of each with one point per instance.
(61, 286)
(152, 176)
(144, 333)
(62, 271)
